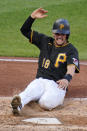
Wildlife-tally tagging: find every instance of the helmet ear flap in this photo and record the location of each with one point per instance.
(67, 36)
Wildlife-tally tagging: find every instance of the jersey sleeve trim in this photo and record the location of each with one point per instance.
(75, 67)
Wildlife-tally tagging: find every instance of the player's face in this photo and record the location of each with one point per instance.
(60, 39)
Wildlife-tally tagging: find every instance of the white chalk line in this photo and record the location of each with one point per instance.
(83, 63)
(29, 60)
(19, 60)
(73, 99)
(76, 99)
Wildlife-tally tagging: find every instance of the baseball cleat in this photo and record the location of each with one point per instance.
(16, 105)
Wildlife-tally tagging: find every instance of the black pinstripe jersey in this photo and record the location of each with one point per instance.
(53, 60)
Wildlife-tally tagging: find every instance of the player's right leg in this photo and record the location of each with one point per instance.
(33, 92)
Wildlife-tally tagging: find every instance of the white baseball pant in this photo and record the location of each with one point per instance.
(45, 91)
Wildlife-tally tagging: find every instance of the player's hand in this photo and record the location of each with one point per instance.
(39, 13)
(63, 83)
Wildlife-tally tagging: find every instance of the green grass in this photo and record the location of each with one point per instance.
(13, 13)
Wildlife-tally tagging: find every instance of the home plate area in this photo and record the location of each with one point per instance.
(72, 115)
(43, 120)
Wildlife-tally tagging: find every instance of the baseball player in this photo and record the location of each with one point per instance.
(58, 62)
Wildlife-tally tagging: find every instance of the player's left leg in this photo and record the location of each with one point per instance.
(52, 97)
(32, 92)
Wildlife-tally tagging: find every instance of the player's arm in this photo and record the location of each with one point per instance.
(71, 70)
(63, 83)
(26, 28)
(33, 36)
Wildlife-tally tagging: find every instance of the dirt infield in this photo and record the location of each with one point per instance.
(73, 116)
(15, 76)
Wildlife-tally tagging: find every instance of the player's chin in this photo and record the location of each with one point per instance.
(59, 42)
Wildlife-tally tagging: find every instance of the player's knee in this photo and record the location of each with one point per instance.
(50, 104)
(44, 103)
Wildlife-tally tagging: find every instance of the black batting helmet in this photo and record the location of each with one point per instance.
(61, 26)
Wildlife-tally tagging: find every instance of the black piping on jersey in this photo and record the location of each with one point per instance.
(75, 67)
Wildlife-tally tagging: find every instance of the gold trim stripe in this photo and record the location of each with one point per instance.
(31, 36)
(49, 43)
(75, 67)
(60, 45)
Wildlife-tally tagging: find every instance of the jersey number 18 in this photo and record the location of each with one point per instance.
(61, 58)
